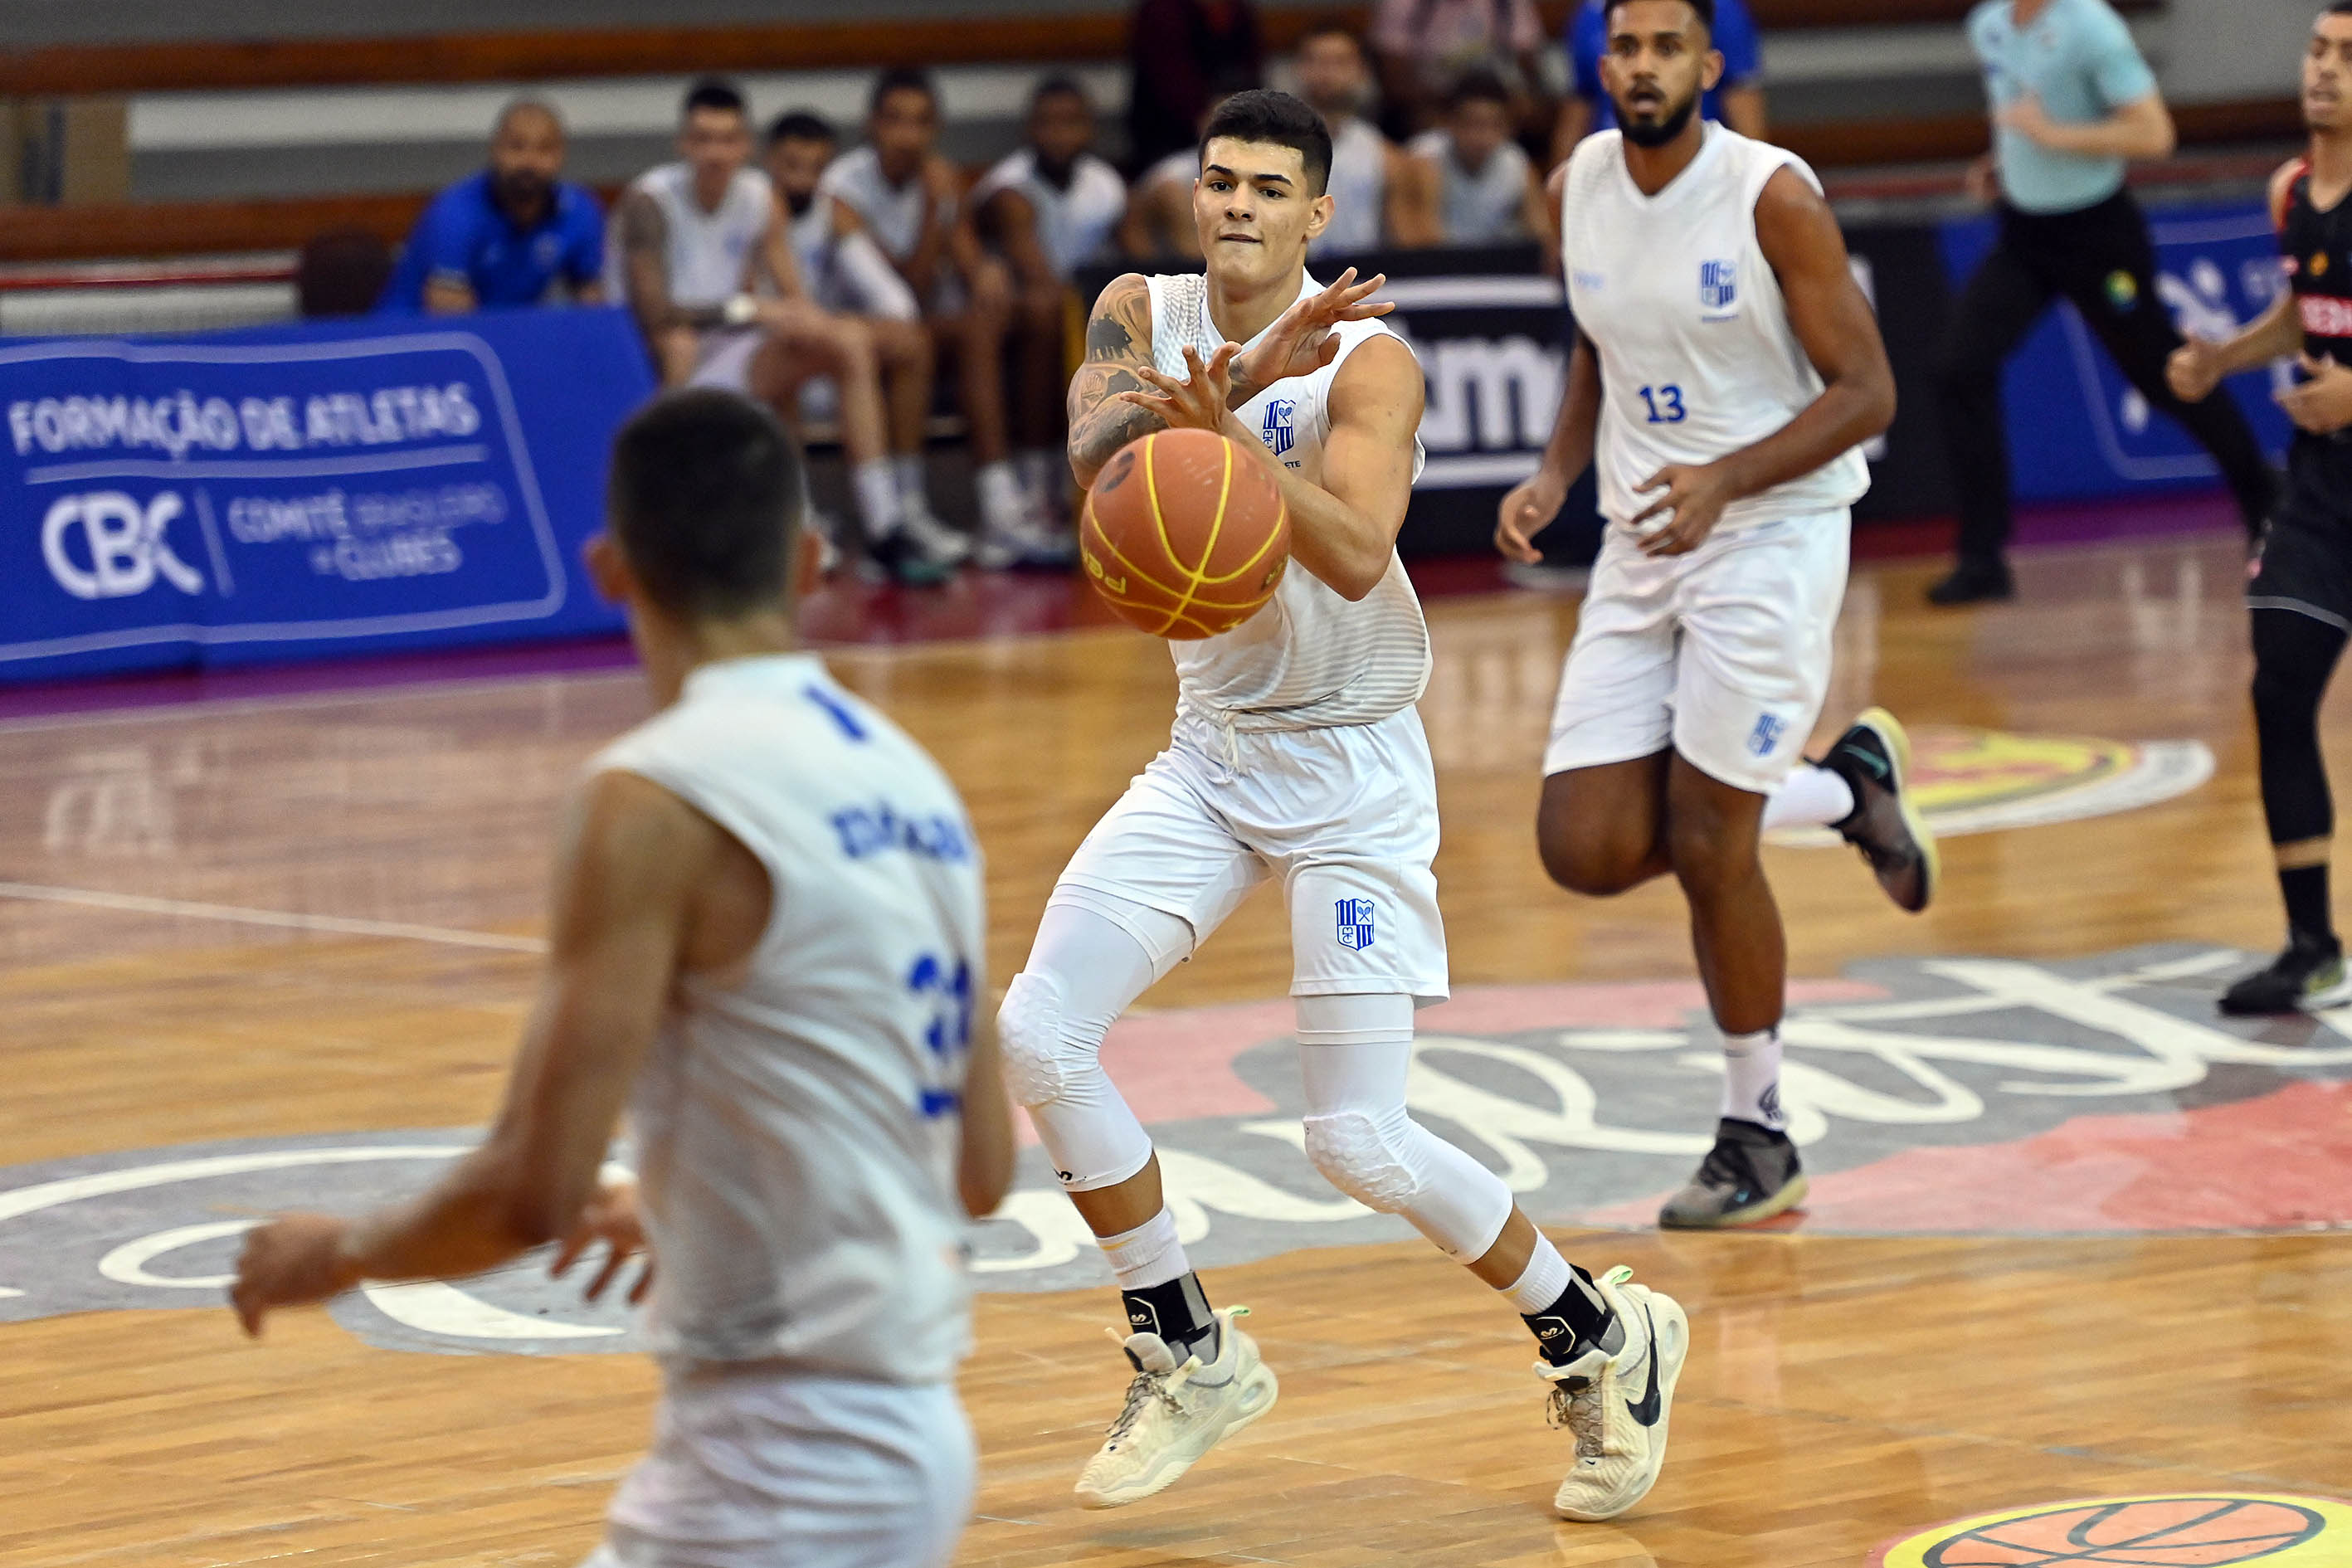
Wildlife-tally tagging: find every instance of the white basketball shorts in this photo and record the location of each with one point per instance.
(1345, 816)
(723, 359)
(1723, 654)
(754, 1467)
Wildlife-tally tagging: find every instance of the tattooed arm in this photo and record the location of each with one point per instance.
(1118, 341)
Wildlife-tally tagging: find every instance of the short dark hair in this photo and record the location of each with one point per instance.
(705, 501)
(1276, 118)
(517, 107)
(715, 93)
(1705, 9)
(902, 79)
(1479, 86)
(2341, 9)
(1059, 86)
(801, 125)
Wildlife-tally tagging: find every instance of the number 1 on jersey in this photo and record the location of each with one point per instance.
(1665, 405)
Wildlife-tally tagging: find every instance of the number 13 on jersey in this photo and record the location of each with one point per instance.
(1665, 403)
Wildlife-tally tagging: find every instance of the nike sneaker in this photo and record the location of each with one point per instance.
(1175, 1414)
(2308, 977)
(1752, 1174)
(1872, 758)
(1616, 1405)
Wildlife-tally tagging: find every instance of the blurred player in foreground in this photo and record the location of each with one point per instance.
(2302, 593)
(765, 939)
(1742, 370)
(1297, 755)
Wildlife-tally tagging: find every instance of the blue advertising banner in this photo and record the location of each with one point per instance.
(2076, 429)
(301, 491)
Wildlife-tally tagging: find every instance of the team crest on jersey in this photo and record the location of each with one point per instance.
(1766, 737)
(1356, 923)
(1719, 285)
(1278, 432)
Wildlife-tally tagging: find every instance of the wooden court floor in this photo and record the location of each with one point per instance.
(299, 918)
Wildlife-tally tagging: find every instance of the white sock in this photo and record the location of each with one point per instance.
(1751, 1079)
(912, 480)
(1001, 504)
(1036, 470)
(1544, 1282)
(1810, 796)
(878, 498)
(1149, 1253)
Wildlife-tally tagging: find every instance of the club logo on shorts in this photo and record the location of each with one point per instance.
(1719, 285)
(1277, 432)
(1766, 737)
(1356, 923)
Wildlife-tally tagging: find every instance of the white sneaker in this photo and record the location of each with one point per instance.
(828, 530)
(938, 540)
(1617, 1406)
(1175, 1414)
(1026, 541)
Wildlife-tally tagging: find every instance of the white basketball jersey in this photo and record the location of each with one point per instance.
(709, 253)
(893, 214)
(798, 1121)
(1359, 187)
(810, 234)
(1074, 224)
(1485, 207)
(1697, 357)
(1310, 659)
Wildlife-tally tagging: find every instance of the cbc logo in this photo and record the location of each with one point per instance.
(125, 545)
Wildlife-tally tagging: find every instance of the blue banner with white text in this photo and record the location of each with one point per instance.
(301, 491)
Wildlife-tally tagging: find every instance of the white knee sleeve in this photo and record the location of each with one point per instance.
(1037, 1061)
(1372, 1157)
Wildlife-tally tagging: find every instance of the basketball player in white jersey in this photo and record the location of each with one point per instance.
(766, 940)
(703, 257)
(1726, 372)
(1297, 756)
(848, 273)
(1474, 184)
(1371, 188)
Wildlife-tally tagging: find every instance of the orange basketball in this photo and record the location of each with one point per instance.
(1185, 534)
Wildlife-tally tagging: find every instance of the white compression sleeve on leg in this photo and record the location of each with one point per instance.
(1085, 969)
(1809, 797)
(1356, 1053)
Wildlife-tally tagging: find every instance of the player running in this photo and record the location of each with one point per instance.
(1297, 755)
(1742, 370)
(766, 936)
(2302, 593)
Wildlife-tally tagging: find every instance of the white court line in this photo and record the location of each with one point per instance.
(136, 903)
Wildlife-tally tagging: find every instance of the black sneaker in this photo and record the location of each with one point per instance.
(1750, 1175)
(1872, 758)
(901, 558)
(2308, 976)
(1974, 582)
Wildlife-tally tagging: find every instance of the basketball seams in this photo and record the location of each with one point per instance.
(1199, 608)
(1216, 526)
(1126, 561)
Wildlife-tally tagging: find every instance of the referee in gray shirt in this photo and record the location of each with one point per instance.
(2072, 102)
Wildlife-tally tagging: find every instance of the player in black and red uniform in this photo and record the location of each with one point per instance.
(2302, 591)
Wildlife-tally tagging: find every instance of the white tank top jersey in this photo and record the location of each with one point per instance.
(893, 214)
(1697, 357)
(1488, 208)
(798, 1122)
(709, 252)
(1359, 187)
(1310, 659)
(810, 234)
(1074, 225)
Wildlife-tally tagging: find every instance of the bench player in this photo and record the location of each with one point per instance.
(1725, 372)
(765, 938)
(1297, 755)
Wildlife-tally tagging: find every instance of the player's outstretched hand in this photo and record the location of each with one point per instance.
(2194, 370)
(2323, 404)
(1300, 342)
(1678, 522)
(1526, 512)
(611, 1219)
(295, 1260)
(1199, 402)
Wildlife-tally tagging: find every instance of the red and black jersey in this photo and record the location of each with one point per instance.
(2317, 247)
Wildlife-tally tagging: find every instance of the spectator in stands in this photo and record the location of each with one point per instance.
(1737, 101)
(1473, 184)
(703, 257)
(2073, 101)
(1180, 53)
(515, 233)
(911, 199)
(1048, 208)
(1371, 184)
(1425, 47)
(1159, 221)
(845, 272)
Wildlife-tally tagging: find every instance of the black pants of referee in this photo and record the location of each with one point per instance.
(2103, 259)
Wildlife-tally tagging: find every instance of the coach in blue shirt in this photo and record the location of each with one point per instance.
(2072, 102)
(1737, 101)
(514, 233)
